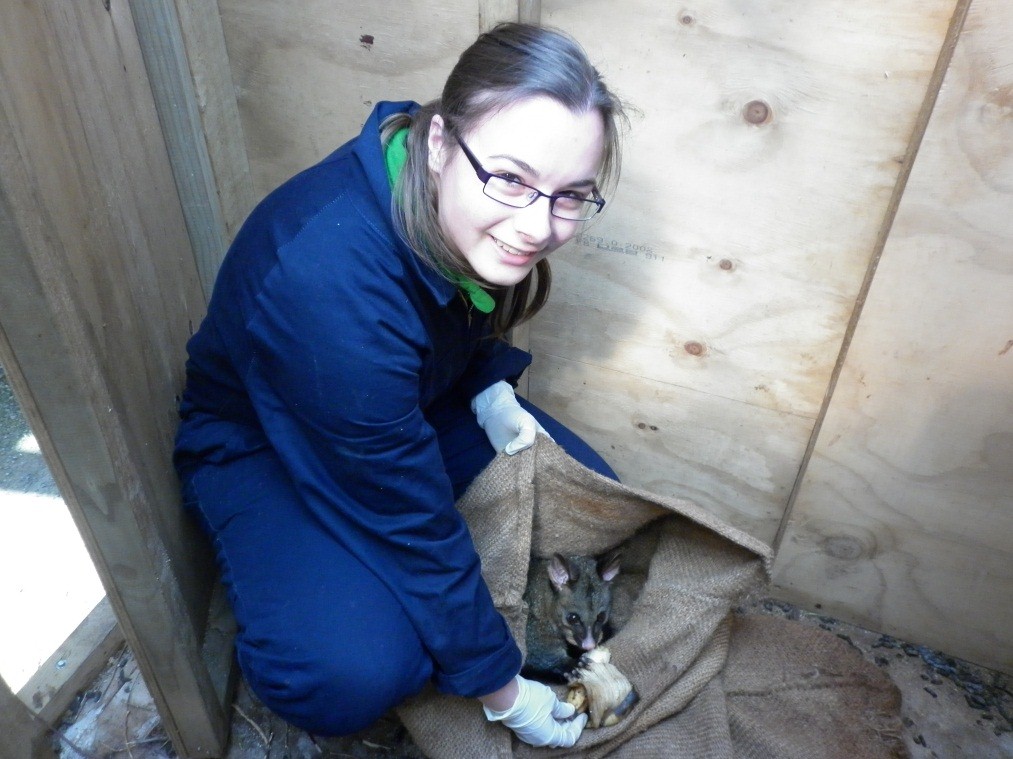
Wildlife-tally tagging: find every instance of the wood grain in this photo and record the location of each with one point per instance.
(736, 460)
(74, 666)
(24, 737)
(184, 53)
(308, 74)
(903, 519)
(491, 12)
(766, 143)
(694, 330)
(100, 293)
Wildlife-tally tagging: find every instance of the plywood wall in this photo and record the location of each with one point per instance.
(694, 329)
(307, 74)
(904, 518)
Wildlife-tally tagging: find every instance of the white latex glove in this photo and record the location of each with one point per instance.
(509, 427)
(539, 718)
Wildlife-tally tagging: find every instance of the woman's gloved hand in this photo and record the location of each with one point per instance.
(510, 428)
(538, 718)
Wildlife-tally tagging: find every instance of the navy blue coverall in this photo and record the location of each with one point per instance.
(326, 433)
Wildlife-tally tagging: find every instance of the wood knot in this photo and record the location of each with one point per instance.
(757, 112)
(726, 264)
(845, 547)
(694, 348)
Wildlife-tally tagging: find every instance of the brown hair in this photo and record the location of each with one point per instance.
(505, 65)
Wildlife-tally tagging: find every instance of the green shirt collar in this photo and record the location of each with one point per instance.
(479, 298)
(395, 156)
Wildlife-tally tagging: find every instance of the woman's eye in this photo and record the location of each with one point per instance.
(507, 185)
(506, 176)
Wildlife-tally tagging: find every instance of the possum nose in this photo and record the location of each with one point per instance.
(588, 643)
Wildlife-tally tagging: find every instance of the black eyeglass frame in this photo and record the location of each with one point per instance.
(485, 176)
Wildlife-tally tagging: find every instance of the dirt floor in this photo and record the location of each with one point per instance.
(951, 709)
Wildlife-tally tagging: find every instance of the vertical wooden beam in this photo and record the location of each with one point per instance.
(183, 45)
(492, 12)
(74, 665)
(529, 11)
(22, 736)
(100, 292)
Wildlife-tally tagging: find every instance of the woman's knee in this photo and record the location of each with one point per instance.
(339, 693)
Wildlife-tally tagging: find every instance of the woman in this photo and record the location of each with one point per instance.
(350, 380)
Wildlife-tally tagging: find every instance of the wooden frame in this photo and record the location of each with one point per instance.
(184, 52)
(24, 734)
(74, 665)
(100, 292)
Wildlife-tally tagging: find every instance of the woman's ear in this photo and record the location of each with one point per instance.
(437, 144)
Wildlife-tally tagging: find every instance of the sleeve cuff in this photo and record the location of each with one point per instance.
(489, 675)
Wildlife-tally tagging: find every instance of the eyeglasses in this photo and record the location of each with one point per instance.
(511, 192)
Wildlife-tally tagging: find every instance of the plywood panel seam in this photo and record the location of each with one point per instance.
(492, 12)
(911, 154)
(529, 11)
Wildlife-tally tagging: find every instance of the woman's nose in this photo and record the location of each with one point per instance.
(534, 222)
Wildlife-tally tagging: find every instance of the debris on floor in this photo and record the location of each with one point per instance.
(256, 732)
(114, 717)
(950, 709)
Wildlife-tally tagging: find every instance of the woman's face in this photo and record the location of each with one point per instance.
(542, 144)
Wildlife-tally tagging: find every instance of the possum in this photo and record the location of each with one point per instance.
(569, 601)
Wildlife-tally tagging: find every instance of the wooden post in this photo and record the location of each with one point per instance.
(183, 45)
(100, 293)
(23, 736)
(81, 658)
(529, 11)
(492, 12)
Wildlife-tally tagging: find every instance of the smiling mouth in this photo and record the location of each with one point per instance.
(512, 251)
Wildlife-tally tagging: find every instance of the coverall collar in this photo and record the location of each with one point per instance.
(369, 151)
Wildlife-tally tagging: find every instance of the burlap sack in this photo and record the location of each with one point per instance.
(795, 692)
(683, 570)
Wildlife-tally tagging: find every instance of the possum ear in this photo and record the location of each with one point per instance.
(560, 572)
(608, 565)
